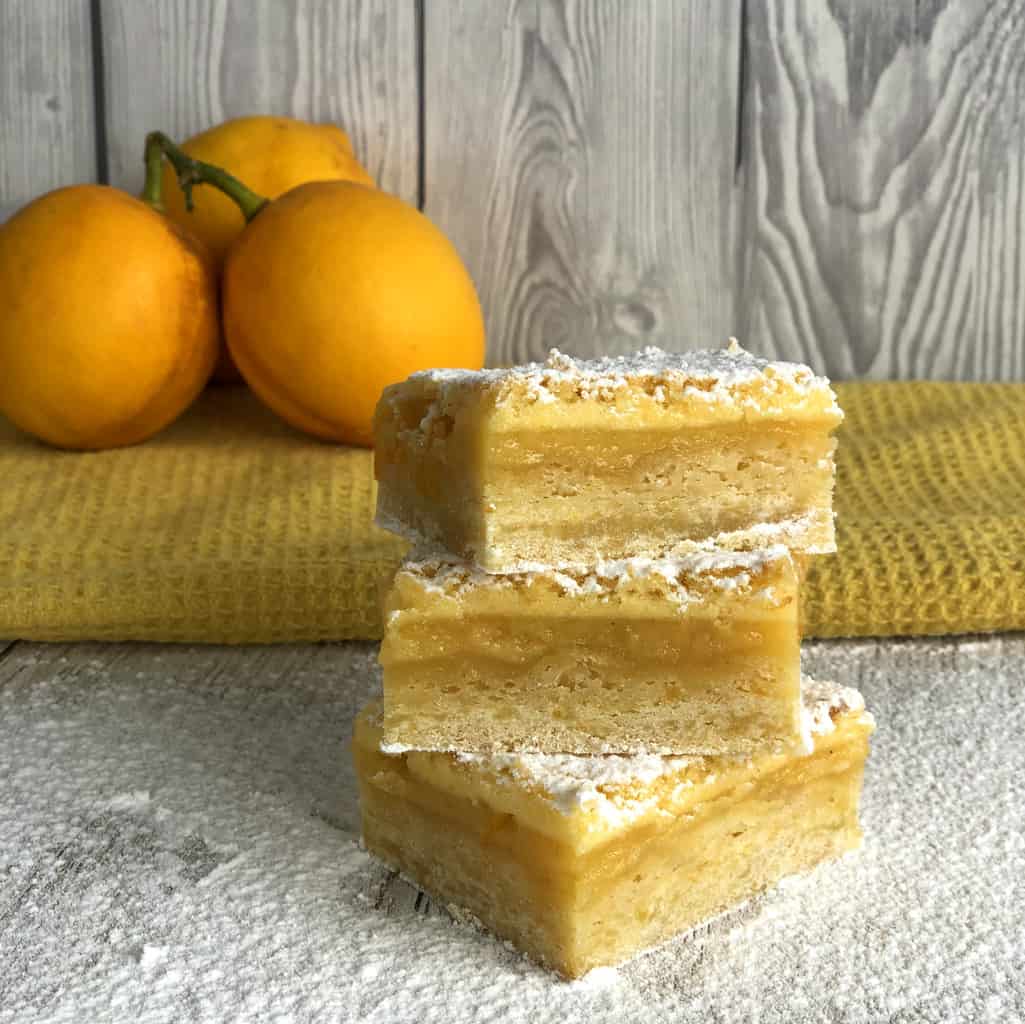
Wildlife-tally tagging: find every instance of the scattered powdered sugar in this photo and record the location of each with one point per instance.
(129, 801)
(598, 978)
(718, 569)
(719, 376)
(243, 750)
(152, 956)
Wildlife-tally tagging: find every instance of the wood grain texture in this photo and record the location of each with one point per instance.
(884, 166)
(580, 155)
(47, 120)
(183, 65)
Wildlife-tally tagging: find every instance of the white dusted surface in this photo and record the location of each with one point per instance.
(176, 843)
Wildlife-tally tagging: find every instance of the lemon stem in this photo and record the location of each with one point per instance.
(190, 173)
(153, 190)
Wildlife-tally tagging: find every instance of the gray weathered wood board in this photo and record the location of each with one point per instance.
(581, 157)
(47, 115)
(884, 161)
(183, 65)
(836, 182)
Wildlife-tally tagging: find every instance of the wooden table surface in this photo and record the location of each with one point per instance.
(178, 841)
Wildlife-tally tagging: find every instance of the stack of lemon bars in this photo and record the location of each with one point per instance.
(594, 732)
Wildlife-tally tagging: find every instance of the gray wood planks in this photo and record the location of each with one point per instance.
(46, 98)
(580, 156)
(183, 65)
(884, 164)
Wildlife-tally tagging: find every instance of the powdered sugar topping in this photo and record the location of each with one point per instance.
(719, 376)
(823, 700)
(570, 782)
(720, 569)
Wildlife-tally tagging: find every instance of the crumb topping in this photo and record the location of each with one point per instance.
(683, 578)
(729, 376)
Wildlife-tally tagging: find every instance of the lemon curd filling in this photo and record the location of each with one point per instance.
(574, 462)
(586, 861)
(699, 655)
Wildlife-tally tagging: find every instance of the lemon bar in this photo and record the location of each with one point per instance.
(575, 462)
(585, 861)
(698, 655)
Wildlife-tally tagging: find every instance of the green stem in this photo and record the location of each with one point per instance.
(153, 190)
(193, 172)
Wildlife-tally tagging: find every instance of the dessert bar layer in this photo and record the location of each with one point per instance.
(699, 655)
(572, 462)
(583, 862)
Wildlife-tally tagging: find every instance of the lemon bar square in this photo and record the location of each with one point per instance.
(586, 861)
(698, 655)
(576, 462)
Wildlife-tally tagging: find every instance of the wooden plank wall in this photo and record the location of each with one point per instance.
(839, 181)
(884, 208)
(47, 107)
(353, 63)
(588, 174)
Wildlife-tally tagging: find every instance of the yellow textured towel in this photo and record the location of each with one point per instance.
(230, 527)
(930, 504)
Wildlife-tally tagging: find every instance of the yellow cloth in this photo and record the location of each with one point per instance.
(930, 504)
(227, 527)
(231, 527)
